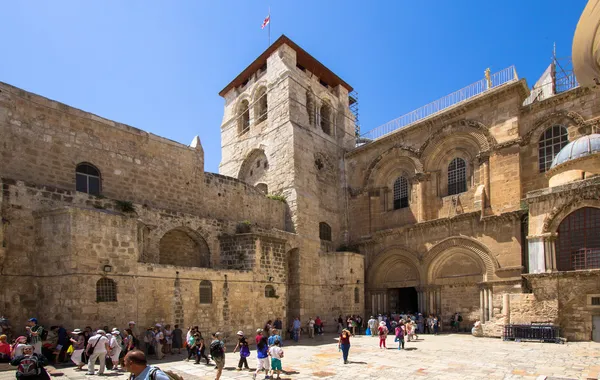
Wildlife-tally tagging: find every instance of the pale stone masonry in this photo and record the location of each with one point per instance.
(300, 221)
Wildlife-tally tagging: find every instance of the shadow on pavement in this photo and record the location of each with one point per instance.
(353, 362)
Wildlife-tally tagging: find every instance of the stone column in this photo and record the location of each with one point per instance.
(484, 177)
(438, 301)
(490, 304)
(506, 308)
(481, 306)
(485, 305)
(550, 252)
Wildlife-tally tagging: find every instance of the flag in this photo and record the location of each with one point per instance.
(266, 22)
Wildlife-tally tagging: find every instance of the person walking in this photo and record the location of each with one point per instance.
(115, 349)
(296, 326)
(383, 331)
(200, 348)
(262, 355)
(372, 323)
(244, 348)
(78, 341)
(217, 352)
(276, 354)
(30, 365)
(400, 332)
(311, 327)
(168, 339)
(275, 337)
(98, 346)
(159, 341)
(344, 344)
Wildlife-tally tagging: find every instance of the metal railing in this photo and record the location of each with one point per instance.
(585, 259)
(541, 332)
(507, 75)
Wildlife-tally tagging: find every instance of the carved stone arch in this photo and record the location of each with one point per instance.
(391, 257)
(154, 234)
(386, 158)
(259, 101)
(182, 246)
(478, 132)
(556, 216)
(574, 122)
(259, 85)
(456, 265)
(249, 171)
(463, 244)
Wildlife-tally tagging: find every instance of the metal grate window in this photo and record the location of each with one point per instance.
(578, 244)
(400, 193)
(356, 295)
(205, 292)
(87, 179)
(270, 292)
(552, 141)
(106, 290)
(244, 117)
(457, 176)
(595, 301)
(324, 231)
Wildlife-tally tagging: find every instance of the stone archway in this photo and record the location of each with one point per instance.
(184, 247)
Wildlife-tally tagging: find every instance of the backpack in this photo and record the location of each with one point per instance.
(399, 332)
(152, 374)
(216, 351)
(29, 366)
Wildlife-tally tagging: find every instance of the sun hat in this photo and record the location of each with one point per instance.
(131, 323)
(382, 323)
(259, 330)
(157, 325)
(77, 331)
(101, 332)
(240, 333)
(115, 332)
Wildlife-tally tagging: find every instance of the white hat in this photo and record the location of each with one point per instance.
(101, 332)
(259, 330)
(158, 325)
(131, 323)
(115, 332)
(114, 329)
(382, 323)
(240, 333)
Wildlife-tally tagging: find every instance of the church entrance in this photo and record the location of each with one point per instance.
(403, 300)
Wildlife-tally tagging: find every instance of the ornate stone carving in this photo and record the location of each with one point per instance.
(542, 123)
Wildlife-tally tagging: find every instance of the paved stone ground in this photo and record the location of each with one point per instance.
(432, 357)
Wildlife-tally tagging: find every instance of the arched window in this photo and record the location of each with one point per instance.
(270, 291)
(457, 176)
(260, 110)
(310, 107)
(324, 231)
(551, 142)
(106, 290)
(356, 295)
(205, 292)
(263, 187)
(325, 118)
(400, 193)
(578, 244)
(87, 179)
(243, 116)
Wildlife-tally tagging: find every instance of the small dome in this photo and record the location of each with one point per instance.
(583, 146)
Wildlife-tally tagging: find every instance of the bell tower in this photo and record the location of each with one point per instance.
(286, 128)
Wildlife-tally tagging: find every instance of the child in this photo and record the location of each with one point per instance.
(383, 331)
(276, 354)
(400, 330)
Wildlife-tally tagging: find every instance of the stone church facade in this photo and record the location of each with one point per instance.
(103, 223)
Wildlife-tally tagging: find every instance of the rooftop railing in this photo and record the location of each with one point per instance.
(507, 75)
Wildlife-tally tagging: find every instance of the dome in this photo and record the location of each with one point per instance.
(583, 146)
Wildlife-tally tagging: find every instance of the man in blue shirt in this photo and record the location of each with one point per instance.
(296, 325)
(135, 362)
(275, 338)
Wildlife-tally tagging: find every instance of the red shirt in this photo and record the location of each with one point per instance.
(5, 349)
(345, 340)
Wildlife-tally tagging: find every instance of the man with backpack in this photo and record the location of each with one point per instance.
(97, 349)
(217, 351)
(135, 362)
(37, 335)
(30, 365)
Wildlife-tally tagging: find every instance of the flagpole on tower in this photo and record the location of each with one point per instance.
(269, 26)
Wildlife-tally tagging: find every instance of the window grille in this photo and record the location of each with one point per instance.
(457, 176)
(400, 193)
(270, 291)
(324, 231)
(356, 295)
(552, 141)
(595, 301)
(325, 118)
(578, 243)
(87, 179)
(244, 117)
(106, 290)
(262, 107)
(205, 292)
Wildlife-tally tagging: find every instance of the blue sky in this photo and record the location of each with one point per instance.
(159, 65)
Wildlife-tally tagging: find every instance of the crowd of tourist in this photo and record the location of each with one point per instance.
(119, 349)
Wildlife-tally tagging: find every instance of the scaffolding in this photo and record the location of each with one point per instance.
(353, 105)
(558, 77)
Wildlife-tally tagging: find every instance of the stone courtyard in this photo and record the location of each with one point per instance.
(453, 356)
